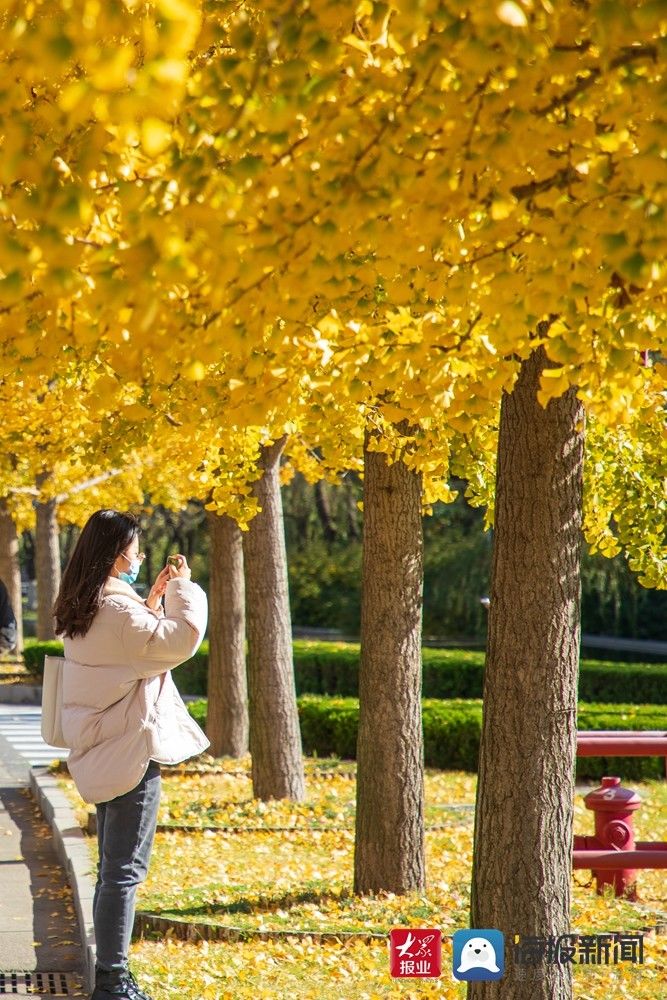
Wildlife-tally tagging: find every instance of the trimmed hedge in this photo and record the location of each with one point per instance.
(192, 675)
(332, 668)
(35, 651)
(452, 731)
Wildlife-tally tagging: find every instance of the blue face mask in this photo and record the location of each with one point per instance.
(133, 573)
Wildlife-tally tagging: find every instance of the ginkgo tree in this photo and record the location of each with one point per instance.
(439, 202)
(52, 470)
(236, 472)
(382, 176)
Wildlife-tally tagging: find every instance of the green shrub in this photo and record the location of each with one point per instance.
(329, 725)
(35, 651)
(197, 710)
(332, 668)
(191, 676)
(452, 731)
(615, 716)
(325, 585)
(609, 681)
(452, 728)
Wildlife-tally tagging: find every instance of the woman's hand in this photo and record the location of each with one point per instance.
(164, 576)
(182, 570)
(157, 590)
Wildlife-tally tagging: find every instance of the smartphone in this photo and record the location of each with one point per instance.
(174, 561)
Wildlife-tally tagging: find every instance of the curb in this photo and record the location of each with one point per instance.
(21, 694)
(73, 854)
(187, 930)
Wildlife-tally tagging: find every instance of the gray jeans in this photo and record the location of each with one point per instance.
(125, 833)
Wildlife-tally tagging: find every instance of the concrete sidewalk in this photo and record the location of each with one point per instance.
(40, 943)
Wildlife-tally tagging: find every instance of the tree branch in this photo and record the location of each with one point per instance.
(86, 485)
(582, 83)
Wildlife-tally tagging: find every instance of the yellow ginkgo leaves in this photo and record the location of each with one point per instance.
(155, 136)
(190, 191)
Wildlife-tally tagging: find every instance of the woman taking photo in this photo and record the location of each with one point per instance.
(122, 715)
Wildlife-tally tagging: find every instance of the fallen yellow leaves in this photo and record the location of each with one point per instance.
(224, 799)
(298, 878)
(282, 970)
(277, 970)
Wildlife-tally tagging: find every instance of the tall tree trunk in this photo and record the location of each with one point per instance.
(323, 506)
(227, 712)
(389, 841)
(10, 569)
(29, 557)
(525, 797)
(301, 510)
(48, 562)
(351, 508)
(71, 533)
(275, 737)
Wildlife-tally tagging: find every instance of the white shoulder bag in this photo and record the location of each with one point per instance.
(52, 702)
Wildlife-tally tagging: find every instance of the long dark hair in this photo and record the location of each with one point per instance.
(106, 534)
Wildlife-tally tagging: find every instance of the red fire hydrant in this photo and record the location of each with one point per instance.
(613, 807)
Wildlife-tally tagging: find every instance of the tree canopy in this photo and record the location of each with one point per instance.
(246, 219)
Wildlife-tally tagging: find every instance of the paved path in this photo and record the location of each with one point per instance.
(20, 726)
(39, 934)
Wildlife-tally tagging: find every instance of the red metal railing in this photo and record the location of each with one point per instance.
(620, 743)
(612, 854)
(648, 855)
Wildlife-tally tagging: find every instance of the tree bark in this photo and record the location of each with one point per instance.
(525, 797)
(10, 569)
(29, 556)
(227, 712)
(389, 840)
(352, 509)
(47, 562)
(323, 507)
(71, 534)
(275, 737)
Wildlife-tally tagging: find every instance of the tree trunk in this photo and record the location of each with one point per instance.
(48, 563)
(525, 797)
(275, 737)
(301, 511)
(227, 712)
(29, 557)
(351, 508)
(389, 842)
(323, 507)
(71, 533)
(10, 569)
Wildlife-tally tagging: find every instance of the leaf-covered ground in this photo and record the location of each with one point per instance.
(303, 970)
(282, 866)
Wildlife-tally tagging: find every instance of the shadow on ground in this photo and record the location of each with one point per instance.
(38, 925)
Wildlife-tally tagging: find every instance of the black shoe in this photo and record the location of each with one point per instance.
(121, 985)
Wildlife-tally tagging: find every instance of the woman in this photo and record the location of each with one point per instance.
(122, 715)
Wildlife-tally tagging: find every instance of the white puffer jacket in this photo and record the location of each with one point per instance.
(121, 707)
